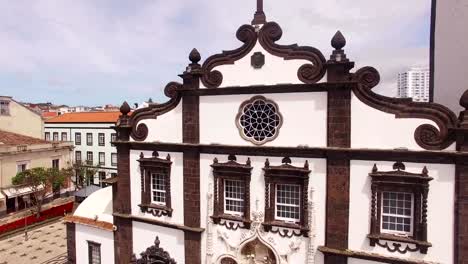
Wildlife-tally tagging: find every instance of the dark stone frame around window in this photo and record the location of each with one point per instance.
(286, 174)
(399, 180)
(148, 166)
(231, 170)
(92, 244)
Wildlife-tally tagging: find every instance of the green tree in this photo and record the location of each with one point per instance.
(41, 181)
(83, 174)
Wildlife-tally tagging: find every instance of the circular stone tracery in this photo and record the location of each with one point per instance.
(259, 120)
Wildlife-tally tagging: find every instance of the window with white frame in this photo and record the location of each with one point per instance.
(94, 253)
(55, 136)
(158, 188)
(64, 136)
(288, 205)
(78, 138)
(397, 213)
(113, 137)
(89, 158)
(4, 108)
(234, 191)
(21, 166)
(102, 158)
(47, 136)
(101, 139)
(89, 139)
(114, 159)
(78, 157)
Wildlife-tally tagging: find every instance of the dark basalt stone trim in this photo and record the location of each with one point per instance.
(423, 156)
(330, 252)
(263, 89)
(140, 131)
(307, 73)
(71, 243)
(432, 49)
(427, 136)
(213, 78)
(159, 223)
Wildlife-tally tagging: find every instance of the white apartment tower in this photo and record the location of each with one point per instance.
(414, 83)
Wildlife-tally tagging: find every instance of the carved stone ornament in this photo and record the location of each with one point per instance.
(257, 60)
(153, 255)
(401, 182)
(259, 120)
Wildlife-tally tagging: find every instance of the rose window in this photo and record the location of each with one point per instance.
(259, 120)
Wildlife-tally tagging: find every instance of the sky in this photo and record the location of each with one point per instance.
(96, 52)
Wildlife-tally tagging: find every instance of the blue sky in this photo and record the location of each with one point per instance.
(97, 52)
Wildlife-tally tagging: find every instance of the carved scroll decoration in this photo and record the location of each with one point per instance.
(427, 136)
(307, 73)
(140, 130)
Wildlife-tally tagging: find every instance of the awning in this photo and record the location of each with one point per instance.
(13, 192)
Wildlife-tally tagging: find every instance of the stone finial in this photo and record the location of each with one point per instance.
(141, 155)
(338, 41)
(374, 169)
(232, 157)
(248, 162)
(194, 56)
(286, 160)
(399, 166)
(425, 171)
(155, 154)
(464, 100)
(306, 164)
(168, 157)
(215, 160)
(267, 163)
(125, 108)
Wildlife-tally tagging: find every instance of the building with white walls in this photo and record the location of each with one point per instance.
(274, 154)
(91, 134)
(414, 84)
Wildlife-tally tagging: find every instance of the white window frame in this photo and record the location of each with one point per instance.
(4, 108)
(76, 155)
(89, 139)
(287, 219)
(396, 232)
(114, 158)
(102, 142)
(162, 192)
(87, 157)
(55, 136)
(103, 160)
(64, 136)
(21, 163)
(226, 211)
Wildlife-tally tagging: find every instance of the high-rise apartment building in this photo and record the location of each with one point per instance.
(414, 83)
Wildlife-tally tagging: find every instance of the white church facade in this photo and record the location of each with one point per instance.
(275, 154)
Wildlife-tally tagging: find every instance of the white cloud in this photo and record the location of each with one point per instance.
(148, 41)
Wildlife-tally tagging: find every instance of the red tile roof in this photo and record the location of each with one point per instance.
(9, 138)
(47, 115)
(88, 222)
(86, 117)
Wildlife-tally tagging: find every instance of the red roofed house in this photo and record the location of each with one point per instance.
(91, 133)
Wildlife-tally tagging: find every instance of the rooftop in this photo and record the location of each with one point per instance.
(9, 138)
(86, 117)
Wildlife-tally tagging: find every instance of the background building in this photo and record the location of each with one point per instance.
(19, 153)
(448, 52)
(91, 134)
(16, 118)
(414, 83)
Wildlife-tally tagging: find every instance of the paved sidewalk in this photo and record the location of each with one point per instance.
(45, 244)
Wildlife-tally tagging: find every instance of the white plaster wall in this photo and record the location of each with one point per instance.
(304, 119)
(171, 240)
(317, 182)
(103, 237)
(166, 127)
(361, 261)
(440, 209)
(372, 128)
(275, 71)
(177, 190)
